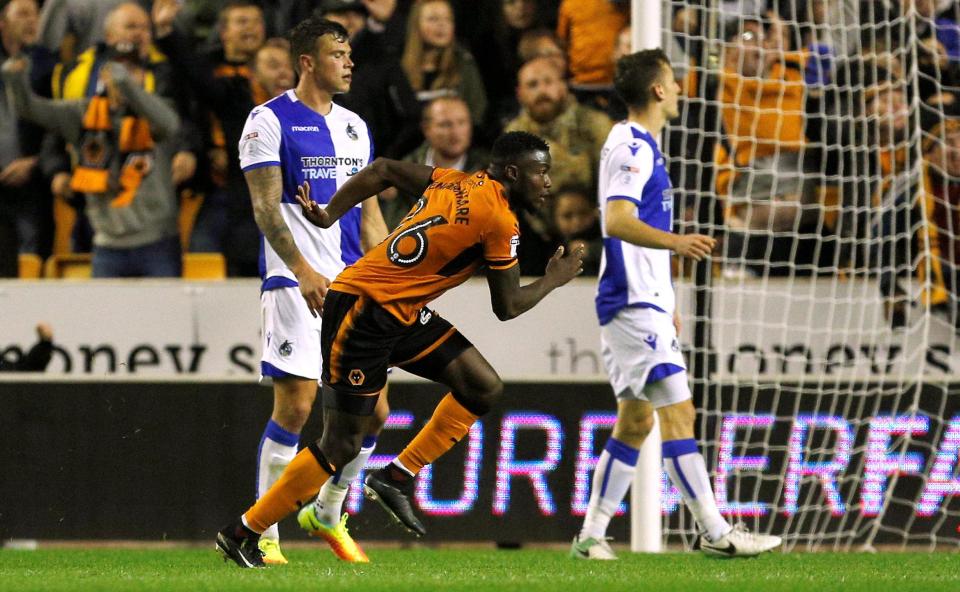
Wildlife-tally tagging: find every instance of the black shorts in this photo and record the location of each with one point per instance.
(361, 340)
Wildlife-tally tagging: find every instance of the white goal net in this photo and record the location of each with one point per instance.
(820, 141)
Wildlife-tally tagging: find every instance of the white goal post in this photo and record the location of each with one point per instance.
(819, 142)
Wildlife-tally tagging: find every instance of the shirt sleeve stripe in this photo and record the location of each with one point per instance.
(258, 165)
(502, 264)
(624, 197)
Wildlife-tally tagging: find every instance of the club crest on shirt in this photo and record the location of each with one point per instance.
(286, 348)
(352, 133)
(674, 345)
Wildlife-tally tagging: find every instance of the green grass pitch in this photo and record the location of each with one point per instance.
(420, 570)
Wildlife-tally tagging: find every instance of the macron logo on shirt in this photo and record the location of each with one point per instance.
(305, 128)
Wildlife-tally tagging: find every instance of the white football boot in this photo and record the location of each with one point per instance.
(591, 548)
(739, 542)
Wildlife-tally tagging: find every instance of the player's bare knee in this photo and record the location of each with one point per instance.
(294, 414)
(633, 429)
(676, 421)
(293, 402)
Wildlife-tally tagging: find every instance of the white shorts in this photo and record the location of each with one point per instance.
(640, 348)
(290, 335)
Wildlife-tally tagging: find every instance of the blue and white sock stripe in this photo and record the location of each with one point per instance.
(617, 450)
(274, 432)
(672, 451)
(280, 435)
(369, 442)
(626, 454)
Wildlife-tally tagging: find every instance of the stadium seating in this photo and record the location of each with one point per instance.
(73, 266)
(204, 266)
(30, 266)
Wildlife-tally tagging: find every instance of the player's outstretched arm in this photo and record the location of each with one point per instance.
(510, 299)
(622, 222)
(409, 177)
(266, 189)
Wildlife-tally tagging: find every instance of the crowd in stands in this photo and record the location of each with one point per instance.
(816, 135)
(121, 119)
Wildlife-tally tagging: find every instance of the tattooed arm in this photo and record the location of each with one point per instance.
(266, 188)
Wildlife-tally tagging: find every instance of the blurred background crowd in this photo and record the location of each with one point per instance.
(816, 136)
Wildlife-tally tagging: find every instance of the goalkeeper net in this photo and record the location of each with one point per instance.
(819, 140)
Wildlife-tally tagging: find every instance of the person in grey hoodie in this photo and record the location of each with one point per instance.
(122, 140)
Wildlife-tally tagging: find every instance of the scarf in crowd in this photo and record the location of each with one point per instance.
(96, 148)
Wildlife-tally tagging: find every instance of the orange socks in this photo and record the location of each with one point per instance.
(298, 483)
(449, 424)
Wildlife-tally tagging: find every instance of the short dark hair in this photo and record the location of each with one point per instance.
(231, 5)
(303, 37)
(511, 146)
(637, 73)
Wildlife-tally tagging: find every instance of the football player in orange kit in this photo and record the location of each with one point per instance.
(375, 316)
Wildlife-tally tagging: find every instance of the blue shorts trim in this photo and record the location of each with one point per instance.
(661, 371)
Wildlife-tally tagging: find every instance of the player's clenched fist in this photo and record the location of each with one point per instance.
(695, 246)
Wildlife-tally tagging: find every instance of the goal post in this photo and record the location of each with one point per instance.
(820, 144)
(646, 533)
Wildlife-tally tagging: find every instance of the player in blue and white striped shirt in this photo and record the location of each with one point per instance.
(639, 323)
(299, 137)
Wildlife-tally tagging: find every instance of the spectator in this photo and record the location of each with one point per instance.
(761, 173)
(435, 64)
(127, 35)
(495, 46)
(901, 229)
(576, 135)
(125, 139)
(37, 358)
(25, 205)
(577, 223)
(588, 29)
(272, 69)
(69, 27)
(938, 50)
(942, 154)
(449, 137)
(225, 83)
(379, 93)
(385, 18)
(535, 43)
(542, 43)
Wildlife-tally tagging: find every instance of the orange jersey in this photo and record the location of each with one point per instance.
(462, 221)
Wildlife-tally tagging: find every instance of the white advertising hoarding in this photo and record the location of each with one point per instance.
(760, 329)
